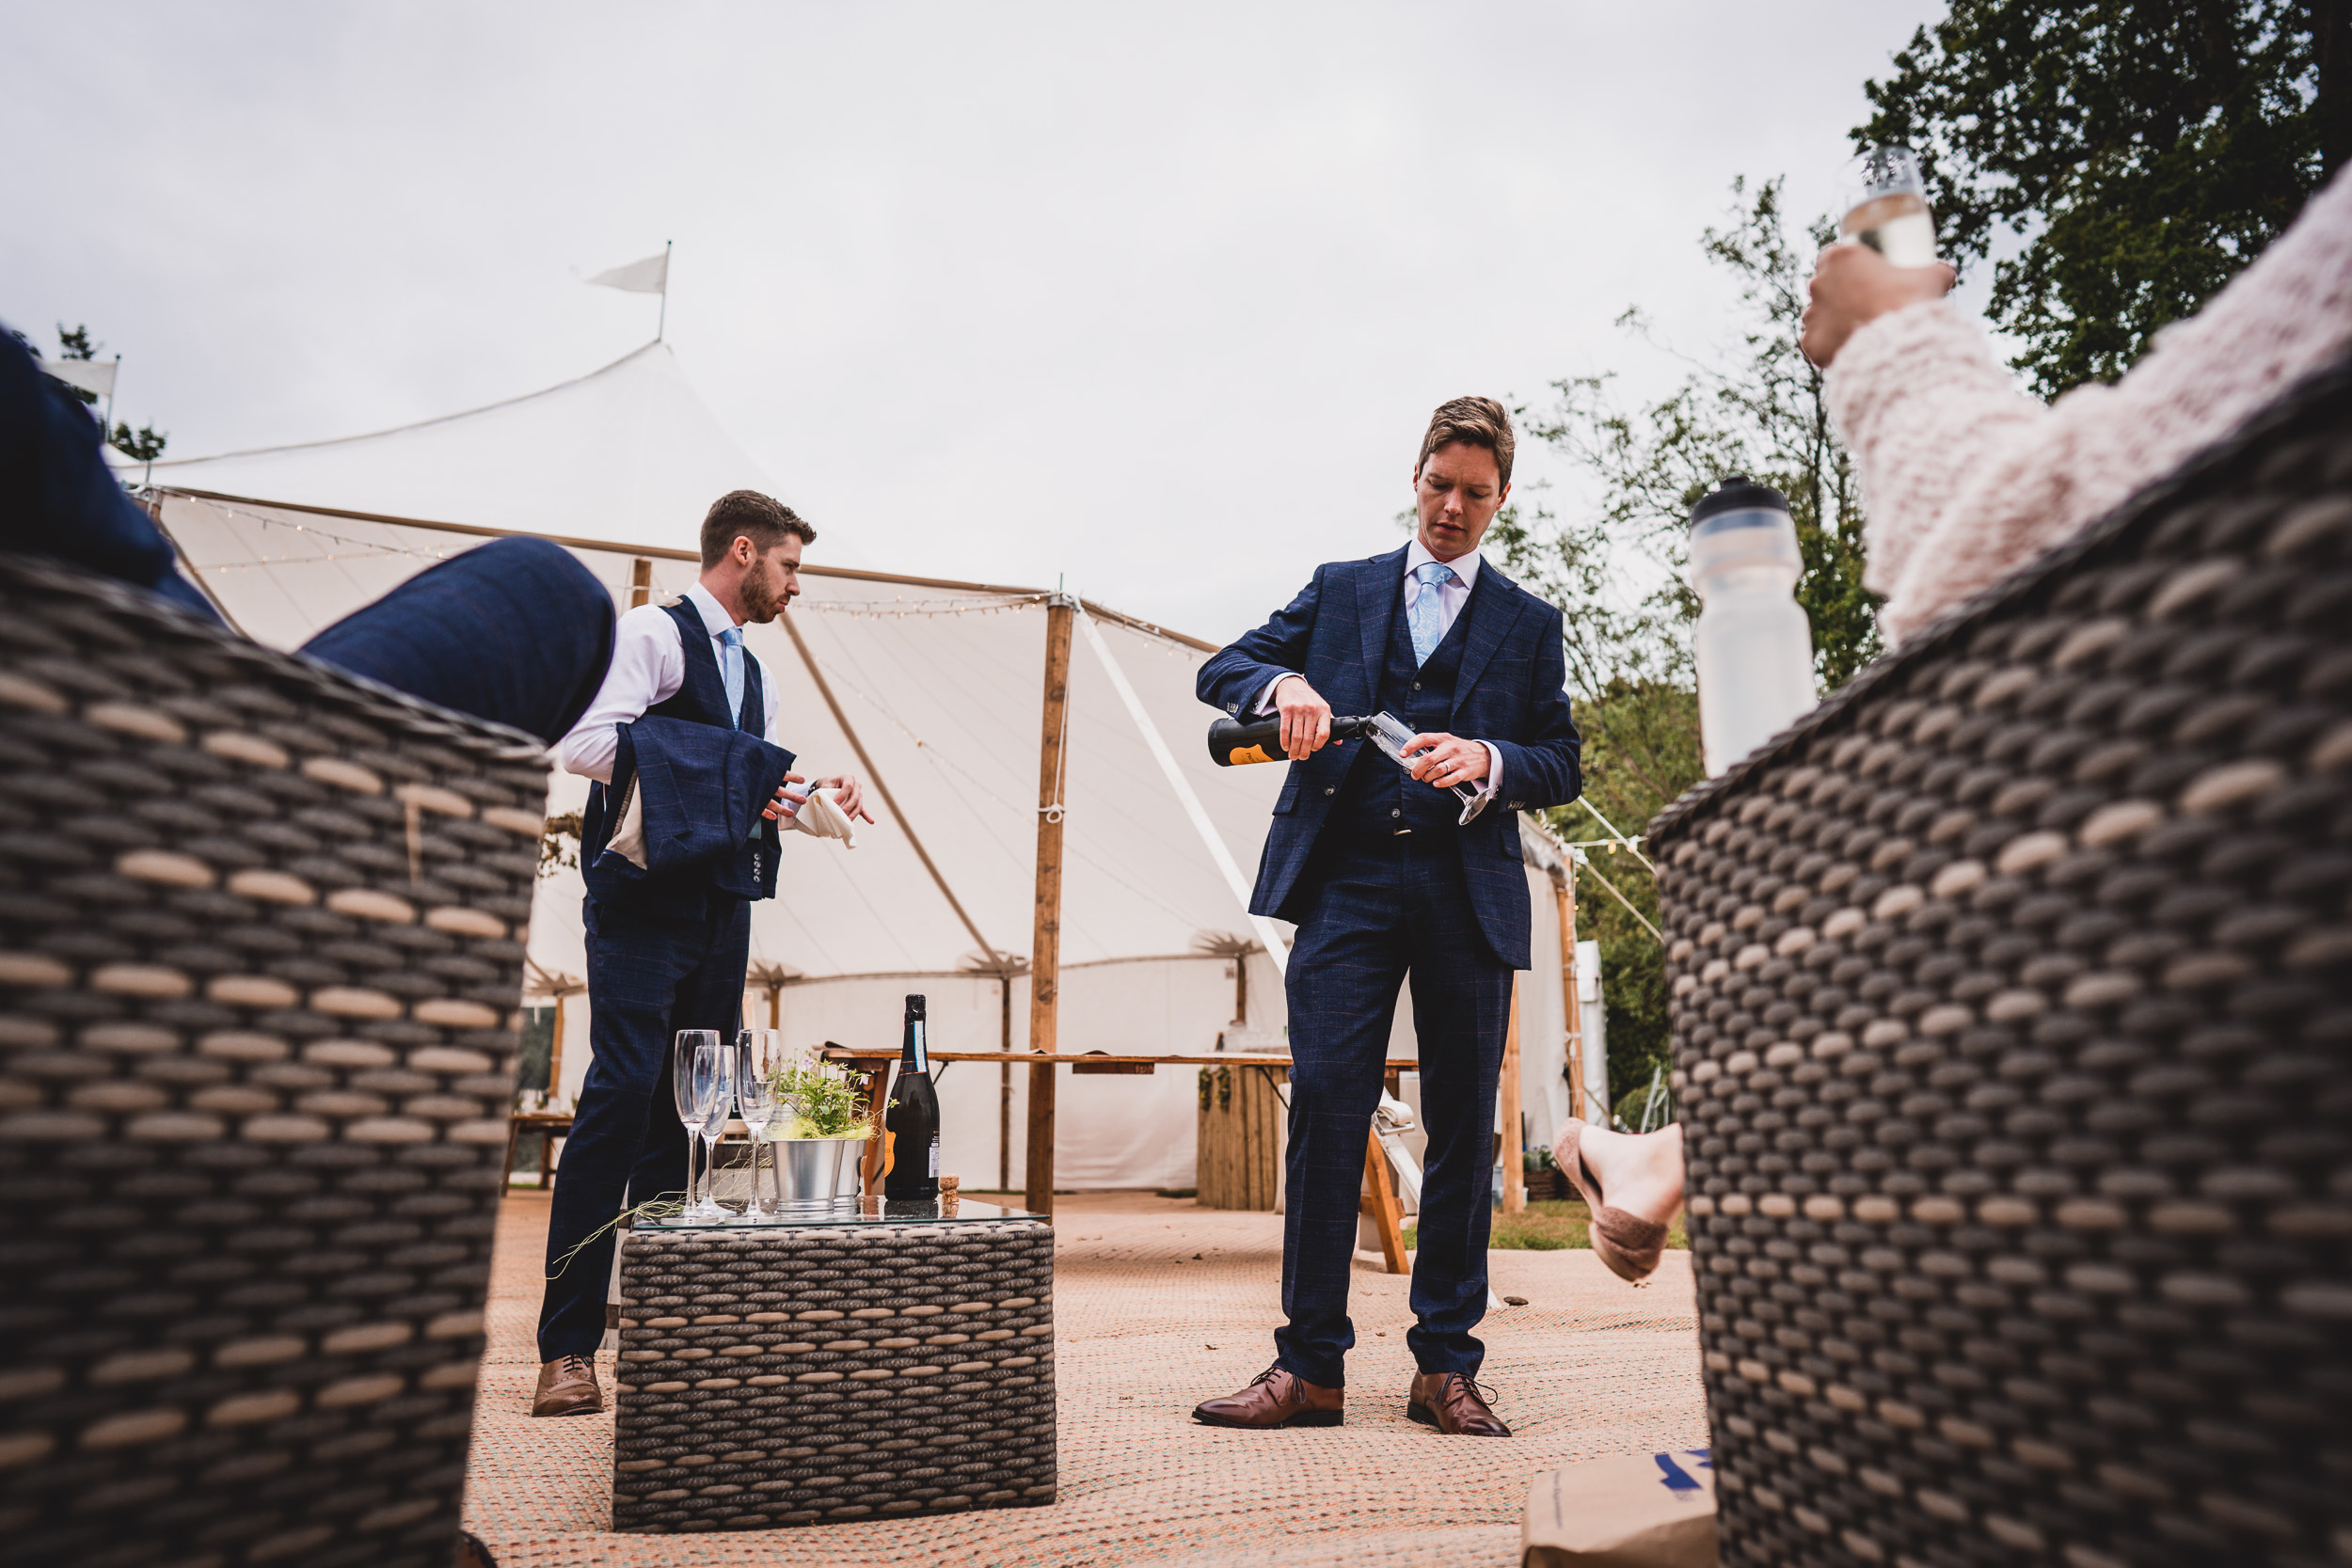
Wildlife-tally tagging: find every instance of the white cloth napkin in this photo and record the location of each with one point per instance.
(821, 816)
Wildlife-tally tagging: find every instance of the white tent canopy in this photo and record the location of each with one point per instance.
(941, 683)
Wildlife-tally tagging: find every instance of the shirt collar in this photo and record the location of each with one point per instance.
(1465, 566)
(715, 618)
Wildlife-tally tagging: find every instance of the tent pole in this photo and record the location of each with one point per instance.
(873, 774)
(1571, 1008)
(1514, 1170)
(1045, 946)
(661, 327)
(640, 582)
(1004, 1082)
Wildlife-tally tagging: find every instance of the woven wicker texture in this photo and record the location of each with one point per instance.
(2011, 1009)
(258, 959)
(797, 1374)
(1157, 1305)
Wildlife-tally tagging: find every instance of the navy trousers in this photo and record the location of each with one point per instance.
(647, 980)
(1378, 913)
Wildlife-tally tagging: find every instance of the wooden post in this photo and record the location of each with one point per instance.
(1571, 1006)
(1045, 944)
(640, 582)
(1387, 1216)
(555, 1061)
(877, 1102)
(1004, 1082)
(1513, 1173)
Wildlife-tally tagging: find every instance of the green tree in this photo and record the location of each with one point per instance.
(2138, 153)
(75, 343)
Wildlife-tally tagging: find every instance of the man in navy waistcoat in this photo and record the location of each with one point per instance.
(665, 953)
(1387, 884)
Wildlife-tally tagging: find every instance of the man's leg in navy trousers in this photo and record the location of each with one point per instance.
(1345, 973)
(635, 968)
(1461, 1013)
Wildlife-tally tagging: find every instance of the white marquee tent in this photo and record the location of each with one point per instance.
(942, 682)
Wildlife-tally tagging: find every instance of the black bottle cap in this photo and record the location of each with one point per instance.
(915, 1007)
(1737, 493)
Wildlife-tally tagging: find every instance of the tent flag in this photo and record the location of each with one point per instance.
(95, 376)
(648, 277)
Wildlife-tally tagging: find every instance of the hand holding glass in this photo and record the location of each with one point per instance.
(1394, 735)
(1885, 205)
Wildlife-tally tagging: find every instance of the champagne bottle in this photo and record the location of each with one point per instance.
(913, 1117)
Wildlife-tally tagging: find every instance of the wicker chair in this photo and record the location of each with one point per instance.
(2013, 1015)
(260, 954)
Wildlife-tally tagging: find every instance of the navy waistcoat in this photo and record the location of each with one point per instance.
(1379, 799)
(700, 699)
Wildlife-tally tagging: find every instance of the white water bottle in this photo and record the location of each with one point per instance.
(1755, 645)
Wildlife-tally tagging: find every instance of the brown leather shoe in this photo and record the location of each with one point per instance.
(567, 1386)
(1454, 1404)
(1275, 1398)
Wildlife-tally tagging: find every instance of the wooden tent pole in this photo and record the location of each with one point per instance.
(1513, 1173)
(640, 582)
(1045, 945)
(1004, 1082)
(1571, 1008)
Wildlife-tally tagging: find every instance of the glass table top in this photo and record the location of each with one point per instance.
(852, 1211)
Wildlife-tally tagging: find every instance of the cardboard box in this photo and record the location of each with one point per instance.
(1635, 1511)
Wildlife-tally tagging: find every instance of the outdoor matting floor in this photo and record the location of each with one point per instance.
(1160, 1305)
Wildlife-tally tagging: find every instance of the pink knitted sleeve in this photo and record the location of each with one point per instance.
(1964, 477)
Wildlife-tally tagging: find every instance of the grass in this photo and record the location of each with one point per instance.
(1551, 1226)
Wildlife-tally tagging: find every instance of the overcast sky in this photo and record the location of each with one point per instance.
(1156, 296)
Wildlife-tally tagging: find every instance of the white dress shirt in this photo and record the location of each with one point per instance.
(648, 667)
(1451, 597)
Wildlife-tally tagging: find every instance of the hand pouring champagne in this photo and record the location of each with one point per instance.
(1238, 742)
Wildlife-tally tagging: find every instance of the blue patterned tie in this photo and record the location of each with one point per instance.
(731, 671)
(1426, 619)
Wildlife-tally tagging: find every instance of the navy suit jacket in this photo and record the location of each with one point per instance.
(706, 790)
(1511, 690)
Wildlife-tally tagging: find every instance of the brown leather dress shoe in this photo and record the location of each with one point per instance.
(567, 1386)
(1454, 1404)
(1275, 1398)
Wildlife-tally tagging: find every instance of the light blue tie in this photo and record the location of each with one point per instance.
(731, 671)
(1426, 619)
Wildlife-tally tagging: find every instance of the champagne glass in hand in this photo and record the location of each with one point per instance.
(691, 1085)
(1885, 204)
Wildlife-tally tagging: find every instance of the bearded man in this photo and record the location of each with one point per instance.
(666, 950)
(1390, 878)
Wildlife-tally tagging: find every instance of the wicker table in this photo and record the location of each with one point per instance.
(856, 1359)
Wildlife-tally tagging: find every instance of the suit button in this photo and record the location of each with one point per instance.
(1330, 791)
(1417, 685)
(1394, 813)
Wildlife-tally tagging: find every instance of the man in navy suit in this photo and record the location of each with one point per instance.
(1385, 883)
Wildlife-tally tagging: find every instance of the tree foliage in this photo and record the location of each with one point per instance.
(1759, 411)
(2141, 151)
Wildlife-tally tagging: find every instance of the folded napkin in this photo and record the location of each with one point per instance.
(821, 817)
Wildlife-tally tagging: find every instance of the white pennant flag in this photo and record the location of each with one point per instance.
(648, 277)
(95, 376)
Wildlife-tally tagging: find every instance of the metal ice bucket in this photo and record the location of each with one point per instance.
(808, 1170)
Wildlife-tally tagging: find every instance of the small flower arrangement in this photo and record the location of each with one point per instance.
(818, 1100)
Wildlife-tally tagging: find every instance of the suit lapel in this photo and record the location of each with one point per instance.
(1492, 610)
(1379, 589)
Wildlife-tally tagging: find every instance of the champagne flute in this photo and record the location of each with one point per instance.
(1885, 204)
(692, 1086)
(717, 1065)
(1394, 735)
(758, 1053)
